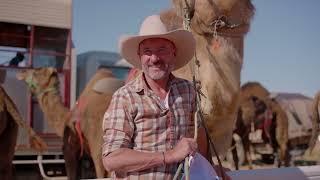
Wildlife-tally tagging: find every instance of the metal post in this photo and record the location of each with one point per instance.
(30, 101)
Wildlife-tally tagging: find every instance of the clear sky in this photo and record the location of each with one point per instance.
(282, 49)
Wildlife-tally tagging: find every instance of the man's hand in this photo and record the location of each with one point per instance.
(224, 170)
(184, 147)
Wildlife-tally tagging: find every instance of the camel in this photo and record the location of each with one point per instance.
(10, 121)
(219, 28)
(258, 106)
(89, 111)
(254, 104)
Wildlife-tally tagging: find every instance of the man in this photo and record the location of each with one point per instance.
(149, 124)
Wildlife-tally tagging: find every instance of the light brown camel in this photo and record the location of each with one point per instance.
(10, 121)
(89, 110)
(220, 54)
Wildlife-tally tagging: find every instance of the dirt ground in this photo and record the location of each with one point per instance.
(306, 159)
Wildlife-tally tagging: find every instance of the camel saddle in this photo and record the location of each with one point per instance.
(298, 109)
(107, 85)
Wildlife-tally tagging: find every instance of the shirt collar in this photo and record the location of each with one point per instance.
(141, 83)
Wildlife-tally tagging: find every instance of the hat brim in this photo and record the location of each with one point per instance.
(182, 39)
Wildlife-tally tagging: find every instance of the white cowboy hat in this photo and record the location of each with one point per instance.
(153, 27)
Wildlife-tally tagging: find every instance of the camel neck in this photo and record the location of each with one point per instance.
(54, 111)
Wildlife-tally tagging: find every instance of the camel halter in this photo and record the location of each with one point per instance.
(220, 23)
(32, 84)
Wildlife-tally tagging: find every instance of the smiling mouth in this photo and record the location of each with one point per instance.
(156, 67)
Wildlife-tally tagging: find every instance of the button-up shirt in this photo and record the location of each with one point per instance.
(138, 119)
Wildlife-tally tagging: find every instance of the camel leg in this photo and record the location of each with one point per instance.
(279, 144)
(71, 153)
(99, 168)
(235, 154)
(97, 160)
(287, 156)
(247, 151)
(280, 155)
(284, 157)
(282, 151)
(7, 147)
(96, 155)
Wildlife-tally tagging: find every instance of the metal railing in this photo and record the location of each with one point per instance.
(40, 161)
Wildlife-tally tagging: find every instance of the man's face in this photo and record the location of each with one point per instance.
(157, 57)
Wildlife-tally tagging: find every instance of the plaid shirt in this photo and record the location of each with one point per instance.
(138, 119)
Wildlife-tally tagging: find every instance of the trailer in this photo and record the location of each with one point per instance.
(36, 34)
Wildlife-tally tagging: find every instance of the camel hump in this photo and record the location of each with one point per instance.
(107, 85)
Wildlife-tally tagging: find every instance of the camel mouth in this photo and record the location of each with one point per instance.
(48, 83)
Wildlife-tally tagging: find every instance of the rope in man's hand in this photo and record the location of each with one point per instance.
(186, 164)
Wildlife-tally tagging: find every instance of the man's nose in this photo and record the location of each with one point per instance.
(154, 58)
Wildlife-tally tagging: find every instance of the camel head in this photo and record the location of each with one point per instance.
(252, 108)
(40, 79)
(205, 14)
(253, 101)
(250, 89)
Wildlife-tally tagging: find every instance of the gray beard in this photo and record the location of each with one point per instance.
(160, 75)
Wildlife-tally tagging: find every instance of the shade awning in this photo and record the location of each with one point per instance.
(48, 13)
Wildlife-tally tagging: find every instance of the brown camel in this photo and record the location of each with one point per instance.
(10, 120)
(219, 28)
(256, 103)
(89, 111)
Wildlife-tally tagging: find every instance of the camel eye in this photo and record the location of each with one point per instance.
(253, 98)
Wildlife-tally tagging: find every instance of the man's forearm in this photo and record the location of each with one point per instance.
(128, 160)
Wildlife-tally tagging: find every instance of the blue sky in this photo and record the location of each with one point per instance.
(282, 49)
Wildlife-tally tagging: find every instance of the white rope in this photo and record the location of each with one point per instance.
(186, 25)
